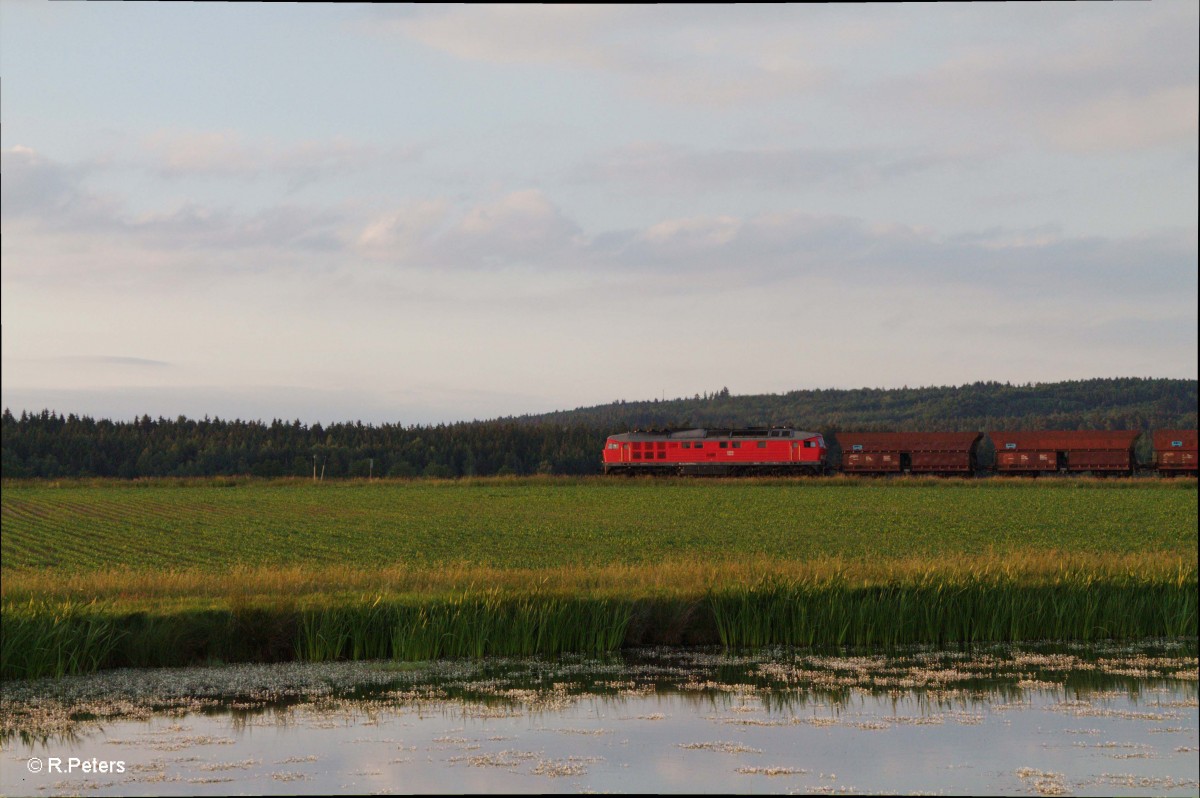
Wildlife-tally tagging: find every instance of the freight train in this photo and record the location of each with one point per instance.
(784, 450)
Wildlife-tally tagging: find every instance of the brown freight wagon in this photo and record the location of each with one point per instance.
(1175, 452)
(1101, 452)
(940, 453)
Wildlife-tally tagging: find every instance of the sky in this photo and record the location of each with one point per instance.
(426, 214)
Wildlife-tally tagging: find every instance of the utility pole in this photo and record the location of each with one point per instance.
(371, 468)
(314, 468)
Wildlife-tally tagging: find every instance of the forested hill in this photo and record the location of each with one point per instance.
(1128, 403)
(49, 444)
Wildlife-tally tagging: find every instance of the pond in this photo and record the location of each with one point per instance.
(1045, 719)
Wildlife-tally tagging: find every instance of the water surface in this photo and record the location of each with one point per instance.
(1015, 720)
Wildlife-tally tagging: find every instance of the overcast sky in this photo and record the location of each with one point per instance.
(430, 214)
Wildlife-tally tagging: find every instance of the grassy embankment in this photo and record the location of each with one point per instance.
(100, 574)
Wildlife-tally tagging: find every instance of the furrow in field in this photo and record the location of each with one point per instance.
(19, 508)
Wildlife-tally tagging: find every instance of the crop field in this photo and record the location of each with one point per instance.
(657, 561)
(545, 524)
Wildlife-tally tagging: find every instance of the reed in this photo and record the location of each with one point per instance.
(46, 638)
(983, 607)
(466, 625)
(830, 608)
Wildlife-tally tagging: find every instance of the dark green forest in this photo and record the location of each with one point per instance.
(50, 444)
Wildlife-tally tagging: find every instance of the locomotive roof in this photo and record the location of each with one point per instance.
(716, 433)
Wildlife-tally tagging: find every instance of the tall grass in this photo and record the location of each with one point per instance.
(818, 609)
(50, 638)
(970, 608)
(466, 625)
(39, 639)
(46, 638)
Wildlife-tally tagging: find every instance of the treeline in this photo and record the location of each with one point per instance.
(49, 444)
(1125, 403)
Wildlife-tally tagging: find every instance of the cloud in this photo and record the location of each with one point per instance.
(402, 232)
(1013, 69)
(188, 153)
(112, 360)
(1009, 265)
(1122, 122)
(197, 227)
(666, 168)
(519, 229)
(58, 229)
(54, 194)
(1121, 79)
(45, 198)
(710, 56)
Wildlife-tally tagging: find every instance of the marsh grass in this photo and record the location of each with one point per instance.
(463, 626)
(969, 607)
(46, 638)
(828, 604)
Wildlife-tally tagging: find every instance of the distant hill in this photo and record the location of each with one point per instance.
(48, 444)
(1123, 403)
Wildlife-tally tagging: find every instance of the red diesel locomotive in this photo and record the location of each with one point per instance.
(731, 452)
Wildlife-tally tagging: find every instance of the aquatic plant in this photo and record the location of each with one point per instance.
(488, 623)
(53, 638)
(958, 608)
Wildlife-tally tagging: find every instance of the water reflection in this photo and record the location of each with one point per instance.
(1019, 719)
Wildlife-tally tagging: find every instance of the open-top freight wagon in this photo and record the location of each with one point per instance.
(933, 453)
(1175, 452)
(1100, 452)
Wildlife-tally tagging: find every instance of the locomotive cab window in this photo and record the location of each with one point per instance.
(762, 444)
(687, 445)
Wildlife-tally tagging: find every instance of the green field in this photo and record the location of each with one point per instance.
(292, 547)
(551, 523)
